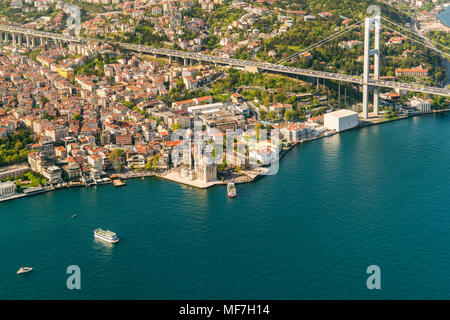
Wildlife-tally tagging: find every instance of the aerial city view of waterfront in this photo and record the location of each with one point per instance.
(205, 150)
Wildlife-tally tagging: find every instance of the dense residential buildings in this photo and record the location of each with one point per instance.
(84, 101)
(215, 93)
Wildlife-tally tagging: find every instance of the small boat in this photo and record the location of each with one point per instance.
(231, 190)
(107, 235)
(74, 215)
(24, 270)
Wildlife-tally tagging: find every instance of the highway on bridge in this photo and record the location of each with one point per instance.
(262, 66)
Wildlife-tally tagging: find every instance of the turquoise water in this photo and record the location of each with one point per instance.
(444, 16)
(378, 195)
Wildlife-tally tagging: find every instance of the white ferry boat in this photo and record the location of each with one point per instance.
(24, 270)
(107, 235)
(231, 190)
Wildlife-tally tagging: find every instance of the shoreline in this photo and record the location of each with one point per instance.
(442, 8)
(245, 176)
(437, 24)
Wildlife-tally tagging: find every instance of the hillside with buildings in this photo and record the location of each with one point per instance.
(82, 113)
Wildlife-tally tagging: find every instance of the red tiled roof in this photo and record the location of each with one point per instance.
(173, 143)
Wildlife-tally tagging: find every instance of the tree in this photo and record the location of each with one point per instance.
(13, 147)
(148, 165)
(116, 159)
(116, 155)
(263, 114)
(270, 115)
(291, 115)
(258, 127)
(47, 116)
(76, 117)
(129, 104)
(44, 101)
(438, 102)
(155, 161)
(390, 114)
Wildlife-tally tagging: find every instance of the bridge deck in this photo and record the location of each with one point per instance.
(234, 62)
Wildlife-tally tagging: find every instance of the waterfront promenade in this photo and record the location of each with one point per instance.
(244, 176)
(175, 176)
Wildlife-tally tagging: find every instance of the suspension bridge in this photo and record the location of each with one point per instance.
(30, 37)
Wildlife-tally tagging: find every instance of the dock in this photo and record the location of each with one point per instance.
(118, 183)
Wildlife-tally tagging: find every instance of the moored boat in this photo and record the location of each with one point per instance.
(231, 190)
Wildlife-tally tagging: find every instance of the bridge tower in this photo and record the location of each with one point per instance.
(375, 21)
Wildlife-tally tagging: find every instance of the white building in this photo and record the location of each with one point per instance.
(262, 156)
(206, 108)
(309, 17)
(350, 44)
(421, 105)
(96, 161)
(341, 120)
(52, 174)
(265, 152)
(7, 189)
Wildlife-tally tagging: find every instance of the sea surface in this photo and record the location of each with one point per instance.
(444, 16)
(373, 196)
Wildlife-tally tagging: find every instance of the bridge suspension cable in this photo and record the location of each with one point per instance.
(424, 44)
(323, 41)
(415, 33)
(348, 29)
